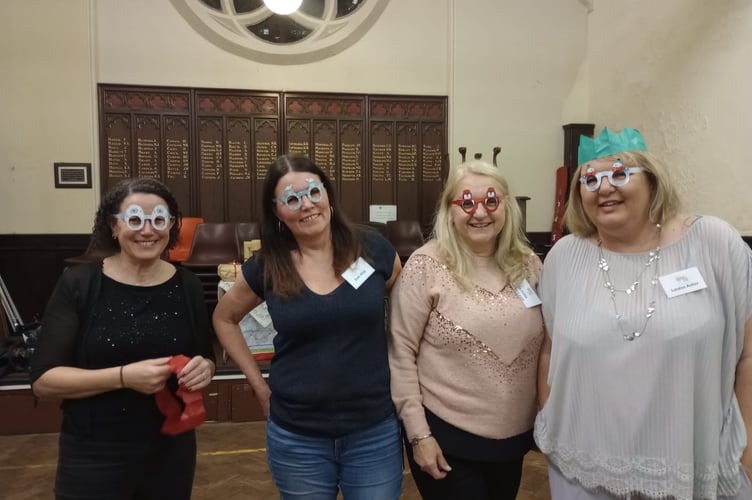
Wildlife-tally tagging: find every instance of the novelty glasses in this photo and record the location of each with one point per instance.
(469, 204)
(135, 218)
(293, 200)
(618, 176)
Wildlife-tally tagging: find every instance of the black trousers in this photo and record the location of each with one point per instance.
(469, 480)
(159, 469)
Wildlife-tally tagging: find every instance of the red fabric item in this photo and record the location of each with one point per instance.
(183, 416)
(560, 204)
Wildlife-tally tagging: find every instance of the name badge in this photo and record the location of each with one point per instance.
(528, 296)
(682, 282)
(358, 273)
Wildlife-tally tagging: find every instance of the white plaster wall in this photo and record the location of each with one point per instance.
(514, 84)
(148, 42)
(47, 97)
(679, 71)
(513, 72)
(51, 69)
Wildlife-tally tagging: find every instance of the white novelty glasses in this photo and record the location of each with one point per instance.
(135, 218)
(293, 200)
(617, 177)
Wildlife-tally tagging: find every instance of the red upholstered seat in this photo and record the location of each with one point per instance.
(183, 248)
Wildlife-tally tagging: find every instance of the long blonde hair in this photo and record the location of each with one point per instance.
(513, 251)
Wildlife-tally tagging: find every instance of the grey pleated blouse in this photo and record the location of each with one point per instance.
(657, 415)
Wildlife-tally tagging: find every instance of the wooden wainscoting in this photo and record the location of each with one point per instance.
(31, 264)
(227, 399)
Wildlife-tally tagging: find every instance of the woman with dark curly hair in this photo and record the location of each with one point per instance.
(108, 345)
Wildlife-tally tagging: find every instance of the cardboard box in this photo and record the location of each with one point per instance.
(249, 247)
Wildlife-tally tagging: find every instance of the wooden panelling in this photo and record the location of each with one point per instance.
(224, 401)
(146, 132)
(541, 243)
(31, 264)
(212, 147)
(22, 413)
(244, 406)
(329, 129)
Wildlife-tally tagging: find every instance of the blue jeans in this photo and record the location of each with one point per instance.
(366, 465)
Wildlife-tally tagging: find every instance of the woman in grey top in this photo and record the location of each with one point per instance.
(645, 379)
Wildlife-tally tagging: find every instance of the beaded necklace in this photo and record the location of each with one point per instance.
(654, 256)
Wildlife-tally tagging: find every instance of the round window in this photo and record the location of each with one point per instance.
(318, 29)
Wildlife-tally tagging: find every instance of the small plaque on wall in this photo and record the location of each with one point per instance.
(382, 213)
(73, 175)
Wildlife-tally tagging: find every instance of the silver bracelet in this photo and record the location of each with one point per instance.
(418, 439)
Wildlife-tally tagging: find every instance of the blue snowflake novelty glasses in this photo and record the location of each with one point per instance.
(293, 200)
(618, 176)
(469, 204)
(135, 218)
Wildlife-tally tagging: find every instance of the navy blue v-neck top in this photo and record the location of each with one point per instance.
(330, 374)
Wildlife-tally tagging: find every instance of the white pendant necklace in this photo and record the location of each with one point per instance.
(654, 256)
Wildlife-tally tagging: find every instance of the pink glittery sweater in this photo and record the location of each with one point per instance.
(470, 357)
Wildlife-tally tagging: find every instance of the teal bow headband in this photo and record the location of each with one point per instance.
(608, 143)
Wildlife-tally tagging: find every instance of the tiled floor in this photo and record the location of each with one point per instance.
(231, 465)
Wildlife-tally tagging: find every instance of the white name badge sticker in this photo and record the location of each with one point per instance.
(528, 296)
(682, 282)
(358, 273)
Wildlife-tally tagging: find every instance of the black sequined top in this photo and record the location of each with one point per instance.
(93, 321)
(130, 323)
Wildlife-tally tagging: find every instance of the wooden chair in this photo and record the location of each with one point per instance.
(406, 236)
(379, 227)
(246, 231)
(91, 255)
(214, 243)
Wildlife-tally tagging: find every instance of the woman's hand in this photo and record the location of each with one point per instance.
(748, 470)
(544, 359)
(196, 374)
(743, 389)
(427, 454)
(263, 399)
(148, 376)
(747, 460)
(235, 304)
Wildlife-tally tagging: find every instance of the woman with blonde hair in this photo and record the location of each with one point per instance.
(466, 330)
(646, 374)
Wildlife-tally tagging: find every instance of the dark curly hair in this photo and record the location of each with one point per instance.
(101, 236)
